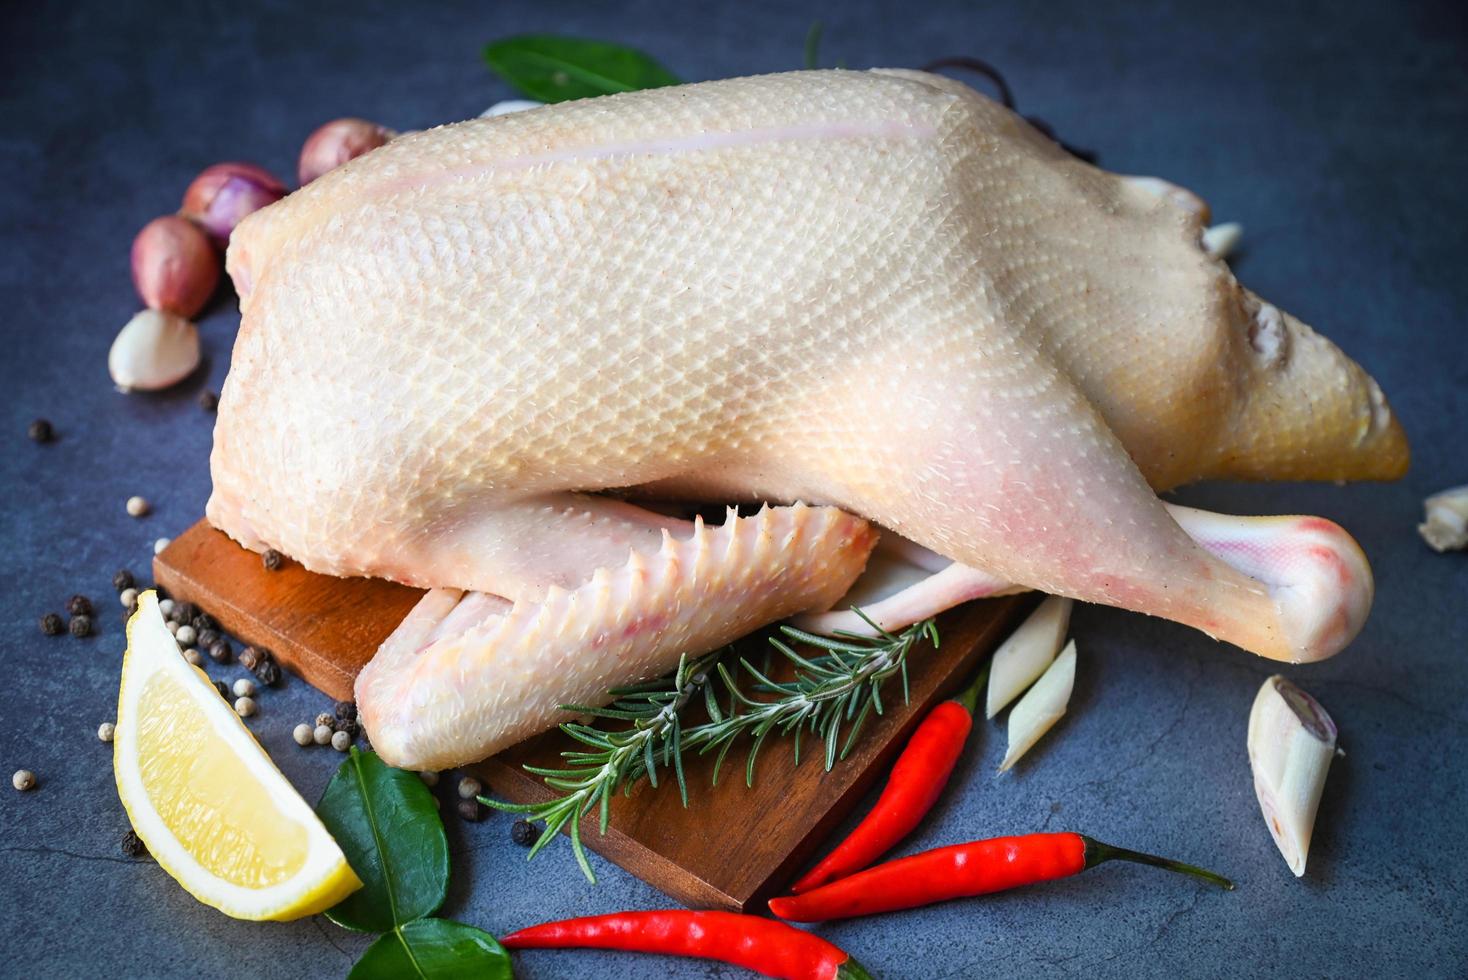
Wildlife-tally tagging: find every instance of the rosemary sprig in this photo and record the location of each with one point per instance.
(835, 689)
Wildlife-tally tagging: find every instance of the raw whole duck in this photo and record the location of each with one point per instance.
(857, 296)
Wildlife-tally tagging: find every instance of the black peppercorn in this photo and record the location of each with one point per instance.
(79, 605)
(523, 832)
(40, 431)
(208, 400)
(266, 672)
(123, 580)
(184, 612)
(348, 725)
(203, 621)
(80, 625)
(52, 625)
(250, 658)
(132, 844)
(346, 709)
(471, 810)
(272, 560)
(224, 691)
(221, 652)
(205, 638)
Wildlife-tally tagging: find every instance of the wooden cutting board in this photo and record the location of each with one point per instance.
(731, 848)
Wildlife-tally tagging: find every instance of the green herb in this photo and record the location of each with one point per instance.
(434, 949)
(832, 691)
(387, 826)
(554, 69)
(390, 831)
(813, 45)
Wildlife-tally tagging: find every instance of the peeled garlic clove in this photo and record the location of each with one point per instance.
(1291, 743)
(225, 194)
(336, 142)
(154, 350)
(508, 106)
(1446, 526)
(1219, 241)
(1026, 653)
(175, 268)
(1041, 707)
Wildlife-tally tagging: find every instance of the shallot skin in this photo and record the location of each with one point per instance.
(225, 194)
(336, 142)
(175, 266)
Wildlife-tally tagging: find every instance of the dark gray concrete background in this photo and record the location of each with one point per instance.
(1335, 133)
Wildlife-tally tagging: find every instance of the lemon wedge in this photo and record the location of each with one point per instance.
(202, 794)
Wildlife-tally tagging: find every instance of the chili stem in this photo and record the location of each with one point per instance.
(1097, 852)
(969, 696)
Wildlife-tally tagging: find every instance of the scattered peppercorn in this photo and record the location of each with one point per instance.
(322, 734)
(250, 657)
(23, 780)
(220, 651)
(206, 638)
(203, 621)
(267, 673)
(128, 597)
(245, 707)
(193, 656)
(523, 832)
(471, 811)
(161, 545)
(106, 730)
(80, 625)
(123, 580)
(244, 687)
(348, 725)
(171, 626)
(132, 844)
(222, 688)
(303, 734)
(40, 431)
(346, 709)
(52, 624)
(469, 788)
(137, 507)
(326, 718)
(79, 605)
(208, 400)
(341, 741)
(185, 611)
(185, 635)
(429, 777)
(272, 560)
(166, 607)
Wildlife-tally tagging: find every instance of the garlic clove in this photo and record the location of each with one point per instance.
(1220, 241)
(336, 142)
(175, 267)
(1291, 743)
(508, 106)
(154, 350)
(225, 194)
(1041, 707)
(1026, 653)
(1446, 525)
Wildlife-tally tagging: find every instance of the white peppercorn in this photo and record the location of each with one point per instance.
(23, 780)
(429, 778)
(186, 635)
(244, 707)
(193, 656)
(341, 741)
(137, 507)
(469, 788)
(161, 544)
(128, 598)
(171, 626)
(165, 606)
(244, 688)
(321, 735)
(303, 734)
(106, 730)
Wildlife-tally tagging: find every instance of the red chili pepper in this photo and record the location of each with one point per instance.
(915, 784)
(762, 945)
(962, 870)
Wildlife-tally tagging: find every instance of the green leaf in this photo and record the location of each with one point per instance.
(434, 949)
(813, 45)
(552, 68)
(386, 823)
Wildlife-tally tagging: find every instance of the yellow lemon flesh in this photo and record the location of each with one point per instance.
(203, 795)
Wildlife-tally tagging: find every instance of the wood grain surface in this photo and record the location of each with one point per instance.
(732, 847)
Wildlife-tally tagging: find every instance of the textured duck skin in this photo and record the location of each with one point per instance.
(874, 290)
